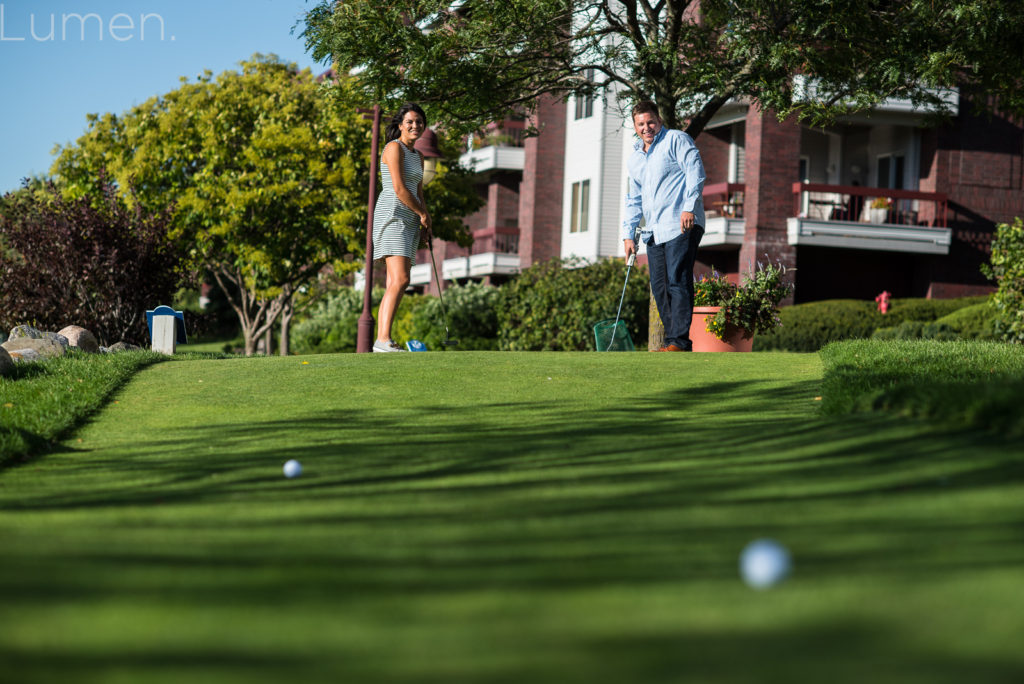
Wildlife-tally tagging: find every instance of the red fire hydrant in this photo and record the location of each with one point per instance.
(883, 301)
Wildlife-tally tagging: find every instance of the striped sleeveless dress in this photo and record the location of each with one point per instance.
(396, 227)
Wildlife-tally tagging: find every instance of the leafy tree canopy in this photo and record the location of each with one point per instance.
(473, 61)
(267, 181)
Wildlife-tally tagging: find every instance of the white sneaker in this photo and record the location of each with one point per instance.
(388, 346)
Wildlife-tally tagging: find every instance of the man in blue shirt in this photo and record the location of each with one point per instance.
(666, 181)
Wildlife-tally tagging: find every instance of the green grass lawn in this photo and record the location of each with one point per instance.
(503, 517)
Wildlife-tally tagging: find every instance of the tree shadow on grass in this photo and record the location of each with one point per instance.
(517, 501)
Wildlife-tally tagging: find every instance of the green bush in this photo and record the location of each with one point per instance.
(960, 383)
(1007, 269)
(917, 330)
(809, 327)
(916, 309)
(553, 305)
(472, 312)
(977, 322)
(332, 324)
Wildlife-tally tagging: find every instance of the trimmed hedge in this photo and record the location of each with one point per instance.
(960, 383)
(553, 305)
(977, 322)
(809, 327)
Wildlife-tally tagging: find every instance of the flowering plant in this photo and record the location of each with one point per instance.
(881, 203)
(752, 306)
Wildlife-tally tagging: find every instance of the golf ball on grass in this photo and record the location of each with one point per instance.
(764, 563)
(292, 468)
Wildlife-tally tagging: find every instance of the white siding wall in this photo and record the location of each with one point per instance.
(583, 161)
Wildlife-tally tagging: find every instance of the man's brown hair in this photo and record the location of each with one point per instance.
(646, 107)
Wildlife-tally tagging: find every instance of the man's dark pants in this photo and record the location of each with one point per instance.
(671, 268)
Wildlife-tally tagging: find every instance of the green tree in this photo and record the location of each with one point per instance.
(268, 181)
(1007, 269)
(475, 61)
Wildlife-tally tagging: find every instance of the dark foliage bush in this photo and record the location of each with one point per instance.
(96, 263)
(917, 330)
(975, 322)
(809, 327)
(553, 305)
(925, 309)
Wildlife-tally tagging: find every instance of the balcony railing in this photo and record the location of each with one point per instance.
(858, 204)
(724, 199)
(509, 133)
(497, 240)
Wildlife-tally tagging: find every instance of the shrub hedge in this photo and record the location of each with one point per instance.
(960, 383)
(809, 327)
(553, 305)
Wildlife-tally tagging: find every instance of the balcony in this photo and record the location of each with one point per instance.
(857, 217)
(723, 209)
(496, 148)
(495, 251)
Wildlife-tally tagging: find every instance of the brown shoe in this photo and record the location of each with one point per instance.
(672, 348)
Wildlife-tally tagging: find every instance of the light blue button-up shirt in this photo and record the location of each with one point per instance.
(664, 181)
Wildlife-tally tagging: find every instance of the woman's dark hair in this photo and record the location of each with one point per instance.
(392, 131)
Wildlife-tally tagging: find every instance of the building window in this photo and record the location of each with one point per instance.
(585, 103)
(890, 171)
(580, 207)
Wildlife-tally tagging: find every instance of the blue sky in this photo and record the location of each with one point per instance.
(134, 49)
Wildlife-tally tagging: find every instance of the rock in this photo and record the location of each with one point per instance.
(122, 346)
(58, 338)
(45, 347)
(81, 338)
(6, 362)
(26, 355)
(26, 331)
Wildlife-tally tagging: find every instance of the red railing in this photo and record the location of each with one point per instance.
(856, 203)
(508, 133)
(500, 240)
(730, 199)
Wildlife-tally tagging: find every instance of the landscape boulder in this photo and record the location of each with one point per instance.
(6, 362)
(25, 331)
(46, 347)
(25, 355)
(121, 346)
(81, 338)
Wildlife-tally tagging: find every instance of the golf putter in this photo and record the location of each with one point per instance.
(448, 341)
(629, 266)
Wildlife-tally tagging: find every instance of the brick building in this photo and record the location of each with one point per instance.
(878, 201)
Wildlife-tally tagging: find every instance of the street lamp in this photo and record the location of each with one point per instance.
(425, 145)
(364, 331)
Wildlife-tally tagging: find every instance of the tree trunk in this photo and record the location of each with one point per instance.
(286, 320)
(655, 329)
(268, 342)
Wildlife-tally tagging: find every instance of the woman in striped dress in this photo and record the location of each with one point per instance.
(399, 214)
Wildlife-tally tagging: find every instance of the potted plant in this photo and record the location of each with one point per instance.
(878, 210)
(726, 316)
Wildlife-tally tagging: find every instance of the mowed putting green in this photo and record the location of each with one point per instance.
(503, 517)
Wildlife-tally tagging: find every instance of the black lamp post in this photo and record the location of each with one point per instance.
(364, 333)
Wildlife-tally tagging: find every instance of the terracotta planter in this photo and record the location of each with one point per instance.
(736, 339)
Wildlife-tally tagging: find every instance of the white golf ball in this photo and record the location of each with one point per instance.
(764, 563)
(292, 468)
